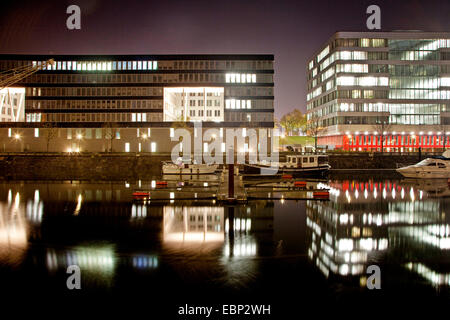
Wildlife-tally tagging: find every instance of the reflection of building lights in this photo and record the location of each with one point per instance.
(17, 200)
(138, 211)
(78, 207)
(145, 262)
(241, 249)
(101, 260)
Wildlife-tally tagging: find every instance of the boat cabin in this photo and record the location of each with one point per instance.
(306, 161)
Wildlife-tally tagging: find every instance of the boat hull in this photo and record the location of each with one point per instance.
(419, 173)
(191, 170)
(297, 172)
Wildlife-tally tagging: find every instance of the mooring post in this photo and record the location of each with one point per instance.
(231, 181)
(231, 229)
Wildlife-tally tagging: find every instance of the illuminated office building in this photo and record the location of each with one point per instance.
(365, 86)
(133, 99)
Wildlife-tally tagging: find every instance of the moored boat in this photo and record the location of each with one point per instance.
(296, 165)
(182, 168)
(429, 168)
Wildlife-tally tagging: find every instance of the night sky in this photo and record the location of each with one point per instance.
(291, 30)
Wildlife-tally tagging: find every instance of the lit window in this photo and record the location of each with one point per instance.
(155, 65)
(127, 147)
(36, 132)
(153, 146)
(144, 65)
(172, 132)
(205, 147)
(244, 132)
(254, 78)
(9, 132)
(223, 146)
(249, 104)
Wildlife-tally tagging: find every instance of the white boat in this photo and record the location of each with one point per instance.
(298, 165)
(181, 167)
(436, 167)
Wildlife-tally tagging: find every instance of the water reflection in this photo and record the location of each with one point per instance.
(13, 231)
(407, 226)
(101, 228)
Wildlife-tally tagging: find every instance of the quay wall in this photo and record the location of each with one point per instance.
(135, 166)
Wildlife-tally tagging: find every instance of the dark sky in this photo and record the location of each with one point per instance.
(291, 30)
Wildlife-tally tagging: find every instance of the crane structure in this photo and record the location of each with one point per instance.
(12, 99)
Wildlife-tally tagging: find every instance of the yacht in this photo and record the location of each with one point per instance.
(182, 167)
(429, 168)
(297, 165)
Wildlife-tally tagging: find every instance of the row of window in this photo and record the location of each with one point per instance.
(93, 91)
(200, 103)
(161, 65)
(240, 78)
(200, 113)
(364, 43)
(398, 140)
(238, 104)
(375, 120)
(138, 78)
(140, 117)
(93, 104)
(95, 117)
(97, 65)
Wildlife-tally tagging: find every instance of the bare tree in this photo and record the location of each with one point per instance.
(313, 130)
(443, 130)
(382, 127)
(50, 132)
(110, 133)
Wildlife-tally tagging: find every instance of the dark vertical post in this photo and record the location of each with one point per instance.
(231, 180)
(231, 229)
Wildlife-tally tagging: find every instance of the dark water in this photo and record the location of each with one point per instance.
(152, 257)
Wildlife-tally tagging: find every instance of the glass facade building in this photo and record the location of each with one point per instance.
(390, 89)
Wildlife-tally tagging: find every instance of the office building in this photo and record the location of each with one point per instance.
(133, 100)
(367, 86)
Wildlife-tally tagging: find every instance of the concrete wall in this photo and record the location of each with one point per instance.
(80, 167)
